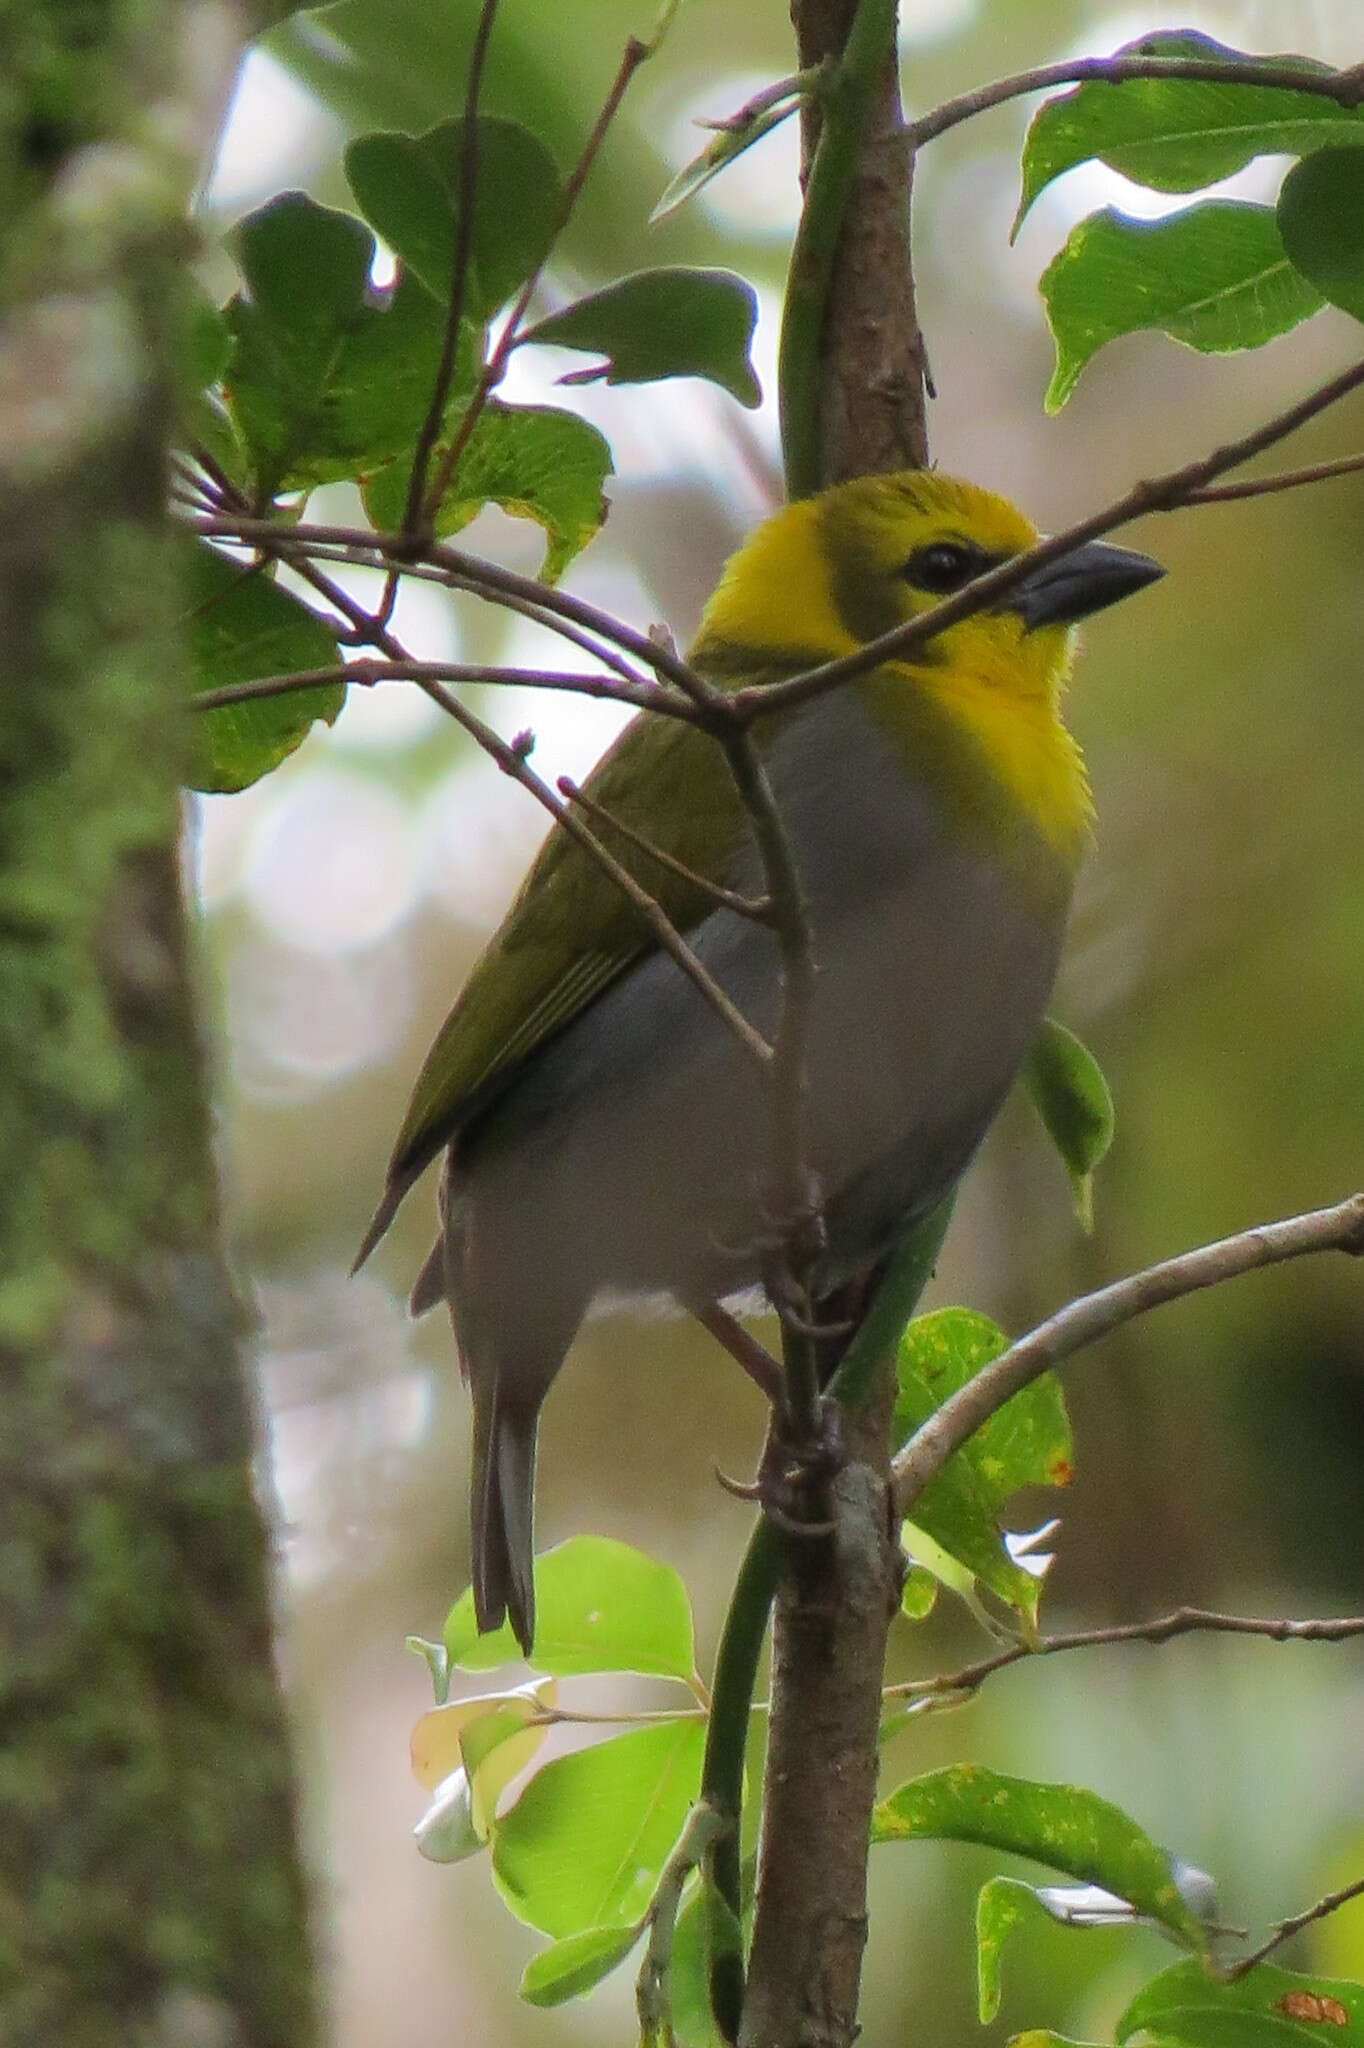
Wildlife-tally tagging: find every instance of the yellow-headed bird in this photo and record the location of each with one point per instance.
(607, 1133)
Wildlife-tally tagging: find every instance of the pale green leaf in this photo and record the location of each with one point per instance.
(575, 1965)
(585, 1843)
(600, 1606)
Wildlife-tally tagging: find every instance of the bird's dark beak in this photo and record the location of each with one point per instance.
(1084, 581)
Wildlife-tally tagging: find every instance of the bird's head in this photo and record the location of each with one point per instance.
(825, 575)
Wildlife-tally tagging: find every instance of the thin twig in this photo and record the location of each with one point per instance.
(959, 1685)
(487, 579)
(759, 908)
(1285, 1929)
(493, 371)
(416, 512)
(792, 1192)
(366, 672)
(752, 1357)
(1166, 493)
(283, 547)
(1282, 480)
(1082, 1322)
(628, 1717)
(1346, 88)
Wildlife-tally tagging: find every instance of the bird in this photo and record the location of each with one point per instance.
(604, 1128)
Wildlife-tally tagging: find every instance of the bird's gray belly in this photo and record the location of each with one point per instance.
(633, 1152)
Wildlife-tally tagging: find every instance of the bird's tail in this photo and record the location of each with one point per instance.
(502, 1513)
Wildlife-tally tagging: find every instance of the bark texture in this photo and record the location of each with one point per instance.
(150, 1890)
(872, 397)
(836, 1600)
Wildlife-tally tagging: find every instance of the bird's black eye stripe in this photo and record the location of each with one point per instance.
(944, 565)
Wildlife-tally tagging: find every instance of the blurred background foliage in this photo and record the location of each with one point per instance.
(1216, 966)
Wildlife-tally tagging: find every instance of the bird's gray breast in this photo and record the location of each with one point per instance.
(636, 1144)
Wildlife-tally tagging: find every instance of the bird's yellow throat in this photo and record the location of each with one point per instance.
(782, 604)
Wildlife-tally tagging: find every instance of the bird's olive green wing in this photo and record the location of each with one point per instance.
(571, 929)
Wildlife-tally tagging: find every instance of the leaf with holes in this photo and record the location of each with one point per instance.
(1267, 2008)
(239, 626)
(1215, 277)
(663, 323)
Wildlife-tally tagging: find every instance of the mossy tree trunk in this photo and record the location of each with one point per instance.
(150, 1890)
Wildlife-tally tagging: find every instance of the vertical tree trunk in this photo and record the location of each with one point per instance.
(150, 1890)
(835, 1603)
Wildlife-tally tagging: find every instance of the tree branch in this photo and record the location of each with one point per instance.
(1282, 480)
(952, 1687)
(365, 673)
(1332, 1903)
(512, 335)
(1082, 1322)
(1346, 88)
(1166, 493)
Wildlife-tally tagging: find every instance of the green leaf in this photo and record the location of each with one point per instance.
(720, 152)
(241, 625)
(1069, 1093)
(1042, 2037)
(663, 323)
(1178, 134)
(1004, 1904)
(600, 1606)
(1061, 1825)
(536, 462)
(919, 1593)
(306, 269)
(328, 382)
(577, 1964)
(1027, 1443)
(407, 187)
(689, 1968)
(1267, 2008)
(200, 342)
(1215, 277)
(584, 1844)
(1321, 218)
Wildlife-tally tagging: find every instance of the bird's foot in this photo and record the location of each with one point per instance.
(792, 1483)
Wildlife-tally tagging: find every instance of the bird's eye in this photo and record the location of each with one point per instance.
(942, 567)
